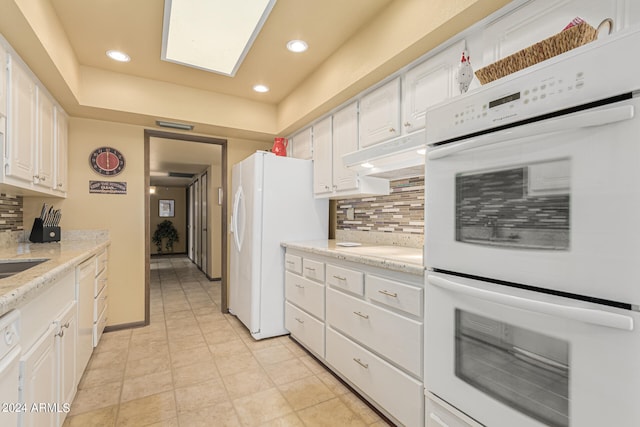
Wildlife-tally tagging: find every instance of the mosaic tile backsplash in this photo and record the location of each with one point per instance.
(11, 218)
(402, 211)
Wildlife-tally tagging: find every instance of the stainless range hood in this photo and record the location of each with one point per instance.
(401, 157)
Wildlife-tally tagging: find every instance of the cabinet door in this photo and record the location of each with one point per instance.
(322, 157)
(61, 150)
(38, 368)
(345, 140)
(46, 138)
(22, 127)
(301, 145)
(66, 343)
(380, 114)
(3, 81)
(429, 83)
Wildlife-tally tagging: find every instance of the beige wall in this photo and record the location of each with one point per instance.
(122, 215)
(179, 220)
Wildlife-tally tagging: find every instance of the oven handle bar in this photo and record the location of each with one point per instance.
(578, 120)
(585, 315)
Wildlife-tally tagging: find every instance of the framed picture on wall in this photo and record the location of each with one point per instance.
(166, 208)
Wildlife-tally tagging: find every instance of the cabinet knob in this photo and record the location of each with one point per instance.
(392, 130)
(407, 124)
(36, 176)
(60, 185)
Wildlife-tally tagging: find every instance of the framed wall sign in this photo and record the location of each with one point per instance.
(166, 208)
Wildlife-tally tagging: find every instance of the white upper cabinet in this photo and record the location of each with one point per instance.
(322, 157)
(300, 145)
(22, 132)
(61, 153)
(35, 149)
(46, 136)
(345, 140)
(429, 83)
(3, 81)
(380, 114)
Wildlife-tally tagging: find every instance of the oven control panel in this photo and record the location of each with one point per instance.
(586, 74)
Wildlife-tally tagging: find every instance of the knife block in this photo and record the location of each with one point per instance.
(42, 234)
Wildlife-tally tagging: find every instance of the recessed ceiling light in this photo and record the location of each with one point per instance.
(297, 46)
(261, 88)
(116, 55)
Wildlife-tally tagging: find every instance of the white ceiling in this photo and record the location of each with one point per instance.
(170, 155)
(135, 27)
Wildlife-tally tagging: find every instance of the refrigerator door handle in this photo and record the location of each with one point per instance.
(237, 218)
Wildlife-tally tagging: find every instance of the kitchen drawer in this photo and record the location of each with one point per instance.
(293, 263)
(343, 278)
(440, 414)
(101, 262)
(395, 337)
(396, 392)
(98, 327)
(100, 303)
(305, 294)
(394, 294)
(313, 270)
(304, 328)
(100, 282)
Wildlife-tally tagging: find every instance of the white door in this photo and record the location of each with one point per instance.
(21, 139)
(246, 228)
(196, 222)
(190, 224)
(429, 83)
(322, 157)
(9, 374)
(61, 147)
(66, 343)
(345, 140)
(3, 79)
(38, 382)
(511, 357)
(46, 138)
(551, 204)
(204, 223)
(380, 114)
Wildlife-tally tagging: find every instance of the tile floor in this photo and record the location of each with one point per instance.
(193, 366)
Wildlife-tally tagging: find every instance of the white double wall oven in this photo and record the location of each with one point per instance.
(532, 244)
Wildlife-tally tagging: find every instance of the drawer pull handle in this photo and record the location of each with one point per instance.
(339, 277)
(310, 269)
(299, 320)
(290, 262)
(361, 363)
(364, 316)
(299, 286)
(60, 334)
(389, 294)
(66, 325)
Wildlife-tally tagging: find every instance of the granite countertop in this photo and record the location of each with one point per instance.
(62, 257)
(397, 258)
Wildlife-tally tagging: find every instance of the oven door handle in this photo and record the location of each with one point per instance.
(578, 120)
(585, 315)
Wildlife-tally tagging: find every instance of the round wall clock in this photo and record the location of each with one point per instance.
(107, 161)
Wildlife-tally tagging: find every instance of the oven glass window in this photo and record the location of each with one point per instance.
(523, 369)
(520, 207)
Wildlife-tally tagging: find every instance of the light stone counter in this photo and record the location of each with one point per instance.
(396, 258)
(62, 257)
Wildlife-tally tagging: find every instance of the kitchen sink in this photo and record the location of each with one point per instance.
(11, 267)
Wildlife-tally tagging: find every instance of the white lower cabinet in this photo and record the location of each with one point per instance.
(307, 330)
(365, 324)
(387, 333)
(394, 391)
(47, 382)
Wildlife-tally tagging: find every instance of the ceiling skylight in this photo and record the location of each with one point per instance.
(213, 35)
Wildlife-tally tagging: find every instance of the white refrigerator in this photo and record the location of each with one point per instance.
(273, 202)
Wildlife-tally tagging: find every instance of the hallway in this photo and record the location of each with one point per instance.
(194, 366)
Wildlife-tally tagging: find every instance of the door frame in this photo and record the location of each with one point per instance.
(148, 134)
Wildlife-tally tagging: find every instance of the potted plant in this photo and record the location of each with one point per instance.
(165, 230)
